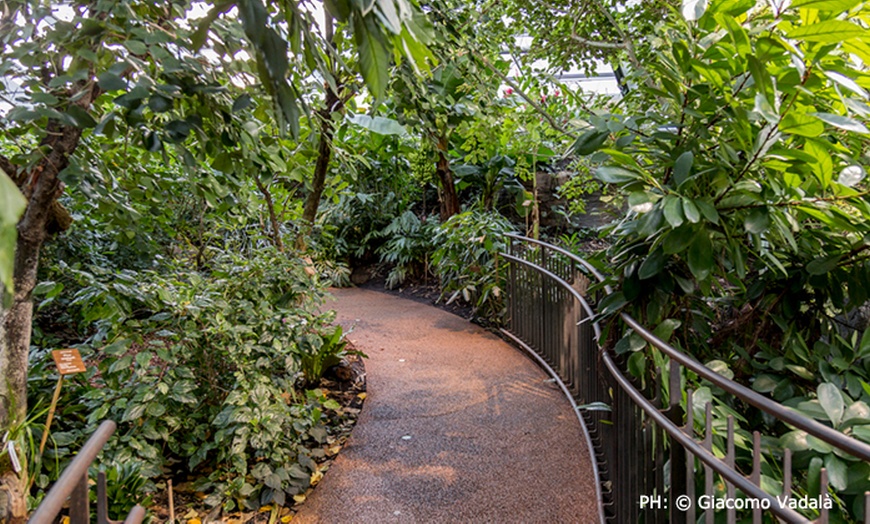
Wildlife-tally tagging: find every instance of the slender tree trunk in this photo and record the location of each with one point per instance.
(12, 499)
(41, 187)
(332, 103)
(447, 193)
(536, 212)
(16, 331)
(324, 154)
(273, 219)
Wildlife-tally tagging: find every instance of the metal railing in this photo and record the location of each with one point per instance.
(646, 450)
(73, 485)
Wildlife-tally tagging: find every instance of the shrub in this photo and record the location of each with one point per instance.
(199, 370)
(408, 247)
(465, 260)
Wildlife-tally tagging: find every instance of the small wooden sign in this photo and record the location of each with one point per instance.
(68, 361)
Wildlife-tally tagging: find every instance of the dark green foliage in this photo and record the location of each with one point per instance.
(125, 487)
(741, 156)
(466, 262)
(319, 352)
(408, 247)
(200, 369)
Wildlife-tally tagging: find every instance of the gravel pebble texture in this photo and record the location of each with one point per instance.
(457, 426)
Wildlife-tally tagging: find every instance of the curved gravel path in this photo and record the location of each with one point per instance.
(457, 426)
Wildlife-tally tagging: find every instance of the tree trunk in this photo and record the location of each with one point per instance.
(449, 198)
(13, 507)
(41, 187)
(331, 104)
(273, 219)
(324, 154)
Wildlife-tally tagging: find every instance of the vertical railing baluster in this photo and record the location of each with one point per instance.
(823, 492)
(677, 452)
(786, 474)
(756, 472)
(708, 471)
(658, 479)
(731, 517)
(690, 459)
(102, 500)
(79, 512)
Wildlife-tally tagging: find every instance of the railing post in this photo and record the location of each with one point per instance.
(678, 453)
(102, 499)
(73, 482)
(78, 502)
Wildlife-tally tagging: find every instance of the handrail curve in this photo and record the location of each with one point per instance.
(540, 319)
(73, 485)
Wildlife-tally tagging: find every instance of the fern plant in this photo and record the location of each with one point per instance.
(466, 260)
(408, 247)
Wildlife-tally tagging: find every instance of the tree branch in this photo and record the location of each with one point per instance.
(595, 43)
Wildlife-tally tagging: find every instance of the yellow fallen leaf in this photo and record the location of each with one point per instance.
(315, 477)
(194, 521)
(190, 514)
(264, 509)
(361, 396)
(64, 520)
(333, 451)
(299, 498)
(286, 519)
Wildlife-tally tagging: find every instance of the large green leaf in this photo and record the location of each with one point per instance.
(757, 221)
(838, 472)
(590, 142)
(801, 124)
(842, 122)
(683, 167)
(374, 56)
(832, 402)
(678, 240)
(673, 210)
(378, 124)
(12, 205)
(828, 31)
(700, 257)
(822, 265)
(826, 5)
(652, 265)
(693, 215)
(615, 175)
(109, 81)
(847, 82)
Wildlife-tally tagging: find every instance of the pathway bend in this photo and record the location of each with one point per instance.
(457, 426)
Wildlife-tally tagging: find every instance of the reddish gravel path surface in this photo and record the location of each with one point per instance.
(458, 426)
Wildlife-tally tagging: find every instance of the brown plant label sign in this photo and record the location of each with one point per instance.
(68, 361)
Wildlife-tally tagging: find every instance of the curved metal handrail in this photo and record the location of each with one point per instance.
(681, 435)
(830, 435)
(550, 371)
(73, 485)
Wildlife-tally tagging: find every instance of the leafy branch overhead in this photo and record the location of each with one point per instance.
(382, 31)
